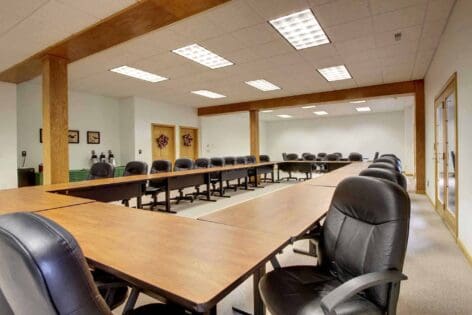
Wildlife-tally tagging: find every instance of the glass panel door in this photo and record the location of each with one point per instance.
(450, 176)
(440, 163)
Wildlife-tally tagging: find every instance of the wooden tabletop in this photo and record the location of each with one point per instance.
(32, 199)
(289, 212)
(317, 162)
(332, 179)
(143, 178)
(194, 263)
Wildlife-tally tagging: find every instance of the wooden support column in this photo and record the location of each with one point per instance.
(254, 132)
(420, 158)
(55, 121)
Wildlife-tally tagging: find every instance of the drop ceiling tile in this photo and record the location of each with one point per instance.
(314, 54)
(397, 73)
(423, 59)
(14, 12)
(403, 18)
(256, 35)
(273, 48)
(341, 11)
(351, 30)
(99, 8)
(355, 46)
(344, 84)
(288, 59)
(197, 28)
(234, 15)
(183, 70)
(384, 6)
(388, 38)
(242, 56)
(431, 35)
(401, 48)
(223, 44)
(368, 77)
(271, 9)
(160, 61)
(359, 58)
(438, 10)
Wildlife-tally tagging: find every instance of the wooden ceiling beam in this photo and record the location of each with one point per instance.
(406, 87)
(138, 19)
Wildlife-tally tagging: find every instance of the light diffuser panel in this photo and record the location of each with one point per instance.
(363, 109)
(300, 29)
(321, 113)
(335, 73)
(284, 116)
(138, 74)
(263, 85)
(208, 94)
(203, 56)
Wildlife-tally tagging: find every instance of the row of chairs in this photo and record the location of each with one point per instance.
(360, 250)
(322, 156)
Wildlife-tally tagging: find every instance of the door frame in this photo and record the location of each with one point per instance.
(197, 139)
(175, 138)
(451, 221)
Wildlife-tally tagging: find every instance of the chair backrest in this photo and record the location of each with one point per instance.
(366, 230)
(264, 158)
(339, 154)
(385, 165)
(43, 270)
(305, 154)
(230, 160)
(135, 168)
(355, 157)
(390, 155)
(183, 164)
(251, 159)
(376, 156)
(241, 160)
(284, 156)
(202, 163)
(217, 161)
(292, 157)
(322, 155)
(395, 177)
(333, 157)
(101, 170)
(310, 157)
(161, 166)
(390, 160)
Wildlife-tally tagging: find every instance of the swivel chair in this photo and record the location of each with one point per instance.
(101, 170)
(183, 164)
(136, 168)
(157, 186)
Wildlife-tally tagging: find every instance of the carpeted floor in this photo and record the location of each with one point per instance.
(440, 278)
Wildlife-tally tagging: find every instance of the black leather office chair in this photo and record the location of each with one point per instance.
(51, 275)
(339, 154)
(390, 160)
(386, 174)
(251, 159)
(214, 179)
(284, 156)
(201, 163)
(101, 170)
(230, 160)
(292, 157)
(183, 164)
(376, 156)
(158, 185)
(384, 165)
(264, 158)
(355, 157)
(333, 157)
(305, 154)
(362, 249)
(321, 155)
(241, 160)
(390, 155)
(136, 168)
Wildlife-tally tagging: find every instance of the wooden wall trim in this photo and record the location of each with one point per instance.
(420, 146)
(254, 133)
(138, 19)
(406, 87)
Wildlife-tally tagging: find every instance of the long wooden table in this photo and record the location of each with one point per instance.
(191, 262)
(31, 199)
(332, 179)
(306, 167)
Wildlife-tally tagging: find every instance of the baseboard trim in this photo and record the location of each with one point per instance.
(464, 250)
(430, 201)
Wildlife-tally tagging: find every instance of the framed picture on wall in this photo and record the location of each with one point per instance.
(93, 137)
(74, 136)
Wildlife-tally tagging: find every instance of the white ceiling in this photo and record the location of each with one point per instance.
(361, 31)
(377, 105)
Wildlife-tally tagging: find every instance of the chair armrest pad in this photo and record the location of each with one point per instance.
(356, 285)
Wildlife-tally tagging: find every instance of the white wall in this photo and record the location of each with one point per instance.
(87, 112)
(127, 130)
(367, 133)
(408, 162)
(8, 138)
(225, 135)
(147, 112)
(454, 54)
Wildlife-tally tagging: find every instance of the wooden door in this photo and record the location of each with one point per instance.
(163, 142)
(189, 142)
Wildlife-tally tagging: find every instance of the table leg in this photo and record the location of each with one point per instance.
(259, 308)
(139, 202)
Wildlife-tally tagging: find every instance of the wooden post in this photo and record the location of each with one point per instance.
(254, 132)
(420, 158)
(55, 121)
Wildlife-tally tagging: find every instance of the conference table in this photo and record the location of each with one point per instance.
(332, 179)
(306, 166)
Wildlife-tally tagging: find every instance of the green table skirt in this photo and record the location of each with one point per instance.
(80, 175)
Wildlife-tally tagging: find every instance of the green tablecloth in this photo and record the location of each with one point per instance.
(80, 175)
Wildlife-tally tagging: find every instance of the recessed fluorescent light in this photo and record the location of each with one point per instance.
(363, 109)
(357, 102)
(208, 94)
(300, 29)
(139, 74)
(309, 106)
(263, 85)
(335, 73)
(267, 111)
(321, 113)
(284, 116)
(203, 56)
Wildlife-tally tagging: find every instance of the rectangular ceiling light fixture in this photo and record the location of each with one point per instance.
(263, 85)
(267, 111)
(203, 56)
(335, 73)
(321, 113)
(284, 116)
(139, 74)
(208, 94)
(309, 106)
(363, 109)
(301, 29)
(358, 102)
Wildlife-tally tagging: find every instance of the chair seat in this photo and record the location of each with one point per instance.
(158, 309)
(298, 290)
(152, 190)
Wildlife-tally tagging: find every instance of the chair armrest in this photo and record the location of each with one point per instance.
(356, 285)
